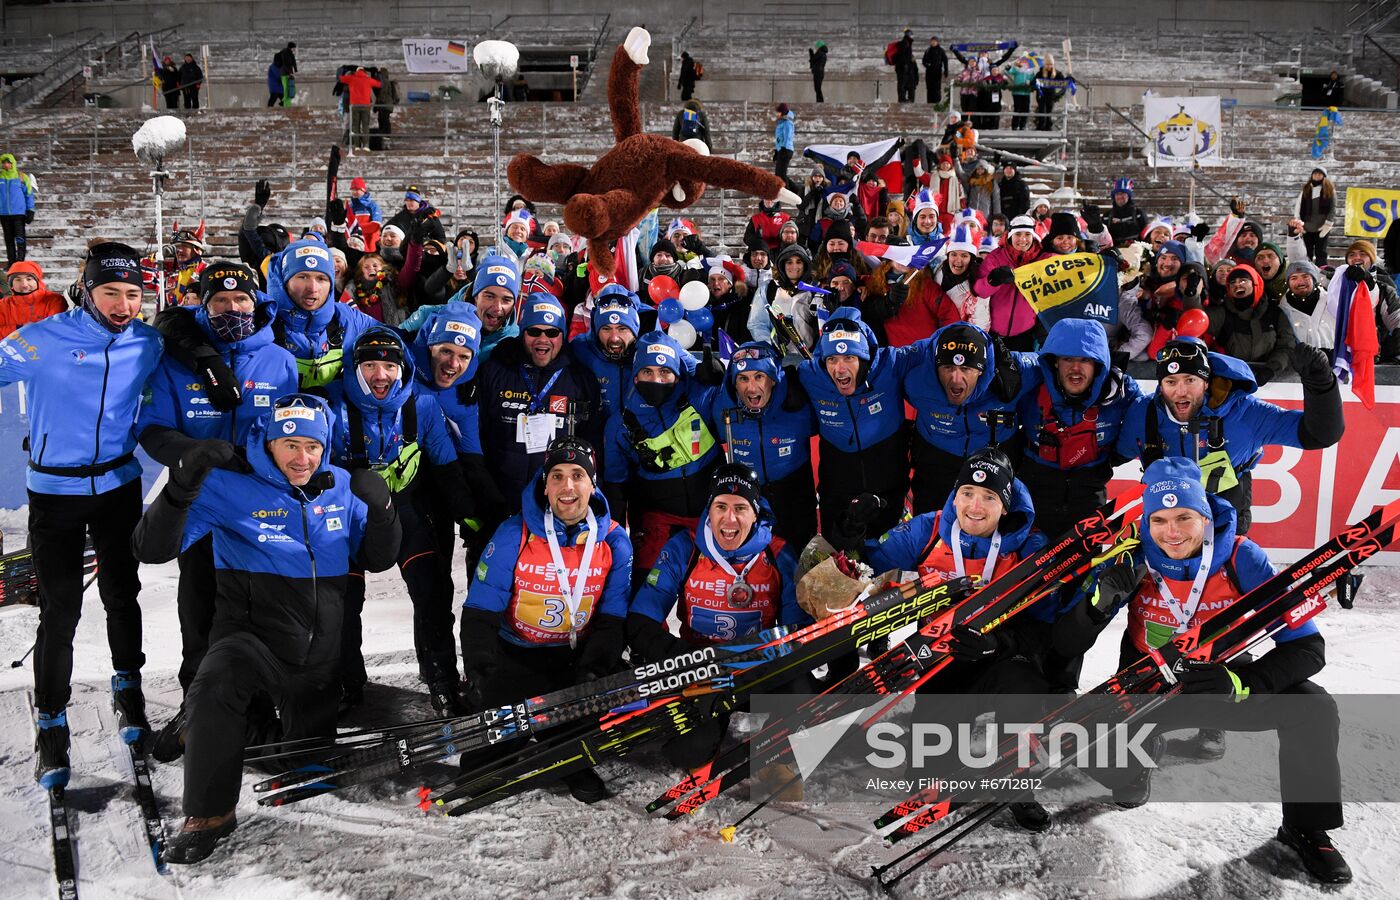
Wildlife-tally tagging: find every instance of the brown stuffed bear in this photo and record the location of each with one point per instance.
(641, 171)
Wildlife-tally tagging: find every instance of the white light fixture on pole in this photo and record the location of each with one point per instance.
(153, 142)
(496, 59)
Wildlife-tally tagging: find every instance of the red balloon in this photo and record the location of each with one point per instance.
(663, 287)
(1193, 323)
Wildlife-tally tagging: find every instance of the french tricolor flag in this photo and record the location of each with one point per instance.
(1356, 342)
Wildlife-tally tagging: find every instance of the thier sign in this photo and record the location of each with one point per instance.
(421, 55)
(1370, 211)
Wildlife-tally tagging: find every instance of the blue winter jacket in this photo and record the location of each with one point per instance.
(383, 421)
(783, 131)
(614, 375)
(494, 584)
(317, 334)
(84, 388)
(266, 372)
(903, 546)
(963, 428)
(16, 197)
(366, 205)
(874, 412)
(773, 441)
(621, 462)
(1250, 423)
(1112, 394)
(458, 402)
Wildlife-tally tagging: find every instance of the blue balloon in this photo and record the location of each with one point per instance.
(701, 318)
(670, 310)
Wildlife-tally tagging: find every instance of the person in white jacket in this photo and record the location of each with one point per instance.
(1305, 303)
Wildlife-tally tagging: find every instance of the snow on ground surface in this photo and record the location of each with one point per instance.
(373, 842)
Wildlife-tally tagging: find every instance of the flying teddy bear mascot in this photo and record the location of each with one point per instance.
(641, 171)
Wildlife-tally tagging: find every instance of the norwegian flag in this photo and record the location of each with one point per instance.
(1356, 340)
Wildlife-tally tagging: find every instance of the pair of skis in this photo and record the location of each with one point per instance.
(1288, 599)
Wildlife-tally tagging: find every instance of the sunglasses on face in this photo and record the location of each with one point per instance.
(542, 332)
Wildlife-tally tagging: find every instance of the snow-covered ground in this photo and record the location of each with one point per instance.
(373, 842)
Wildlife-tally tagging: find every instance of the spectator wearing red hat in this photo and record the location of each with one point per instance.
(361, 203)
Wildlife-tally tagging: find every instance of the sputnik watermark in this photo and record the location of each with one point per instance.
(894, 746)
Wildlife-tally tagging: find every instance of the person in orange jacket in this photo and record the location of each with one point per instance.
(361, 86)
(30, 299)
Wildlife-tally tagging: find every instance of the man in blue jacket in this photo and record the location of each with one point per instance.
(856, 388)
(236, 319)
(85, 371)
(286, 534)
(964, 390)
(549, 604)
(382, 422)
(608, 346)
(1071, 421)
(768, 424)
(493, 292)
(1204, 409)
(661, 448)
(532, 391)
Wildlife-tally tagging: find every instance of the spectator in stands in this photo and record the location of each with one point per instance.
(691, 122)
(29, 300)
(286, 63)
(418, 211)
(274, 85)
(1049, 88)
(782, 140)
(191, 80)
(386, 97)
(374, 289)
(906, 70)
(1009, 313)
(361, 90)
(687, 79)
(816, 61)
(1022, 76)
(1125, 221)
(1315, 206)
(982, 188)
(1363, 265)
(16, 206)
(765, 224)
(520, 88)
(1251, 327)
(361, 203)
(1303, 303)
(169, 77)
(935, 70)
(1334, 90)
(1014, 192)
(1268, 262)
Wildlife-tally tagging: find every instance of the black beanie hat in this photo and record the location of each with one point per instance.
(662, 244)
(841, 230)
(223, 275)
(737, 479)
(110, 262)
(1062, 223)
(378, 344)
(991, 469)
(1183, 356)
(961, 345)
(572, 451)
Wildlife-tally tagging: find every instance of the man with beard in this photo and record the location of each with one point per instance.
(606, 349)
(532, 392)
(964, 387)
(768, 424)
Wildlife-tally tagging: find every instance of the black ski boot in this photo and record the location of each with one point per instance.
(169, 744)
(1319, 857)
(197, 838)
(1208, 743)
(130, 706)
(446, 697)
(51, 750)
(1136, 792)
(1031, 816)
(586, 787)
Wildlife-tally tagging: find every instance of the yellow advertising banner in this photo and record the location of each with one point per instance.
(1370, 211)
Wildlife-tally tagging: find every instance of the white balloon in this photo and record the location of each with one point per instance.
(695, 294)
(682, 332)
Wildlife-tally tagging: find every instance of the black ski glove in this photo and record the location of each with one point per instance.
(967, 644)
(796, 398)
(1116, 584)
(29, 217)
(262, 192)
(196, 461)
(219, 383)
(1200, 677)
(367, 485)
(849, 534)
(335, 215)
(1006, 381)
(1263, 374)
(1194, 284)
(709, 371)
(999, 276)
(599, 654)
(649, 639)
(1356, 273)
(1200, 230)
(1093, 218)
(1313, 368)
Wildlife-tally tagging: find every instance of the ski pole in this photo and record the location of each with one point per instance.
(728, 436)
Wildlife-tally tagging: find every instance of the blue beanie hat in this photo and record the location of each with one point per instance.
(615, 305)
(307, 256)
(455, 323)
(1124, 186)
(1175, 248)
(842, 335)
(540, 310)
(754, 356)
(656, 348)
(299, 415)
(1174, 482)
(496, 271)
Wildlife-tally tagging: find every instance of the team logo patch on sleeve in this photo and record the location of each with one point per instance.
(653, 577)
(481, 570)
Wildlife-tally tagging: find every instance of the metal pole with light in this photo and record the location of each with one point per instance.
(496, 60)
(153, 141)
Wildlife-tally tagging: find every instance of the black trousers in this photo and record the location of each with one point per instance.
(428, 590)
(172, 99)
(794, 513)
(1021, 109)
(1044, 106)
(781, 158)
(881, 469)
(15, 244)
(194, 602)
(236, 669)
(274, 99)
(58, 529)
(515, 673)
(933, 80)
(1316, 246)
(817, 79)
(191, 97)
